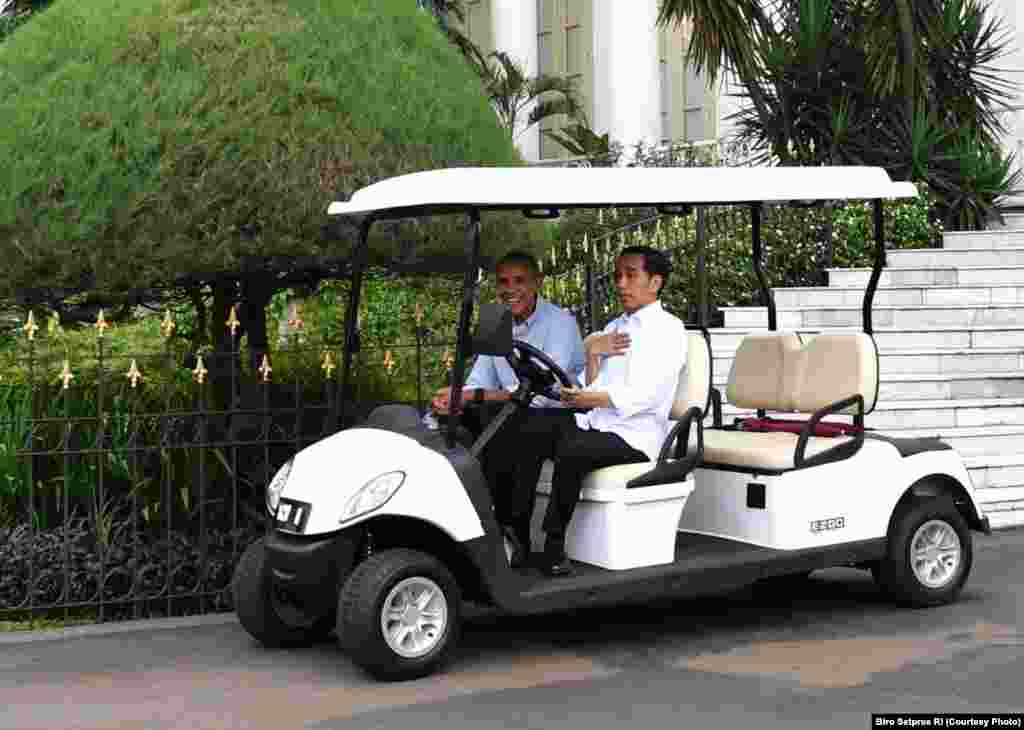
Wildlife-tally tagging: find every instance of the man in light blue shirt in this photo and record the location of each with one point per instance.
(549, 328)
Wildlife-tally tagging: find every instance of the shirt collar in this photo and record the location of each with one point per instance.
(644, 313)
(532, 319)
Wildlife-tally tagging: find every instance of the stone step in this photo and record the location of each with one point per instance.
(928, 386)
(895, 363)
(726, 339)
(899, 296)
(996, 471)
(961, 386)
(922, 275)
(982, 240)
(1011, 221)
(948, 315)
(946, 258)
(935, 416)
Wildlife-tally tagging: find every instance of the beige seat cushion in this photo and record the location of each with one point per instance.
(694, 385)
(772, 450)
(609, 485)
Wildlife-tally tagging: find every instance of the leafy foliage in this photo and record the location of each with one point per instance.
(909, 86)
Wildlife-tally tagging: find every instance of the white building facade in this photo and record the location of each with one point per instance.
(629, 72)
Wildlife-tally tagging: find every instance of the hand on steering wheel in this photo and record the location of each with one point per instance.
(526, 361)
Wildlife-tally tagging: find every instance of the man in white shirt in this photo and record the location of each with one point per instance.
(632, 372)
(549, 328)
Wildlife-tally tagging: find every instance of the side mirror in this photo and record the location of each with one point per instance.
(494, 331)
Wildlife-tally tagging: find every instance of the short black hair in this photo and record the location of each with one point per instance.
(655, 262)
(522, 259)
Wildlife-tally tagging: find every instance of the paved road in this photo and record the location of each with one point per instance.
(826, 656)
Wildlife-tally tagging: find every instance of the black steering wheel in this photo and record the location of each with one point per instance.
(526, 361)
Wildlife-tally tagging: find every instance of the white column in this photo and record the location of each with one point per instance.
(1013, 67)
(515, 32)
(627, 99)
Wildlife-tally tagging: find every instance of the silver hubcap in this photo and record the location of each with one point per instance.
(935, 553)
(414, 617)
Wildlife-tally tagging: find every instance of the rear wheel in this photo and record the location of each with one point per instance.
(399, 614)
(268, 611)
(929, 554)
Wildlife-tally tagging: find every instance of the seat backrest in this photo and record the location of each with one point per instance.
(694, 386)
(834, 366)
(773, 371)
(757, 378)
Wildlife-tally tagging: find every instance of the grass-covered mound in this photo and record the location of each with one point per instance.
(150, 139)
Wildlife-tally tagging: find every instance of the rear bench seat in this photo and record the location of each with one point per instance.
(832, 374)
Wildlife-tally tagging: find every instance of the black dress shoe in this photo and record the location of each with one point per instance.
(557, 567)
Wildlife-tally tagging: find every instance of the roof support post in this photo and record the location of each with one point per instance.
(462, 349)
(766, 293)
(351, 320)
(879, 264)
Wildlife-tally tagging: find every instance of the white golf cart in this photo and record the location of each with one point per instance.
(382, 530)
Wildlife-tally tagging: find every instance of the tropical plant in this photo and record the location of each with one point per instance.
(909, 86)
(513, 93)
(581, 141)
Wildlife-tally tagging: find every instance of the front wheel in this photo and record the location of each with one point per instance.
(266, 610)
(929, 554)
(399, 614)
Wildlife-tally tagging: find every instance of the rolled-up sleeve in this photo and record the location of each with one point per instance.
(653, 372)
(484, 374)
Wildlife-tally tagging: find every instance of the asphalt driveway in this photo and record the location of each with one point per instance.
(826, 654)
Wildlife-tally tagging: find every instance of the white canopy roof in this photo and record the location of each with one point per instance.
(538, 187)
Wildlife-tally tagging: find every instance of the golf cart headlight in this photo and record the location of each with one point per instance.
(276, 486)
(372, 495)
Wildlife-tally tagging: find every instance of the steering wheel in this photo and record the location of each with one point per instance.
(526, 361)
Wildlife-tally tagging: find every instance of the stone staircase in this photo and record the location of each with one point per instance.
(949, 324)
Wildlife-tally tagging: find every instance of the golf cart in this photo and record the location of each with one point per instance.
(380, 531)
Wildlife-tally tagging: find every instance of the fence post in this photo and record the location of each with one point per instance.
(589, 314)
(702, 289)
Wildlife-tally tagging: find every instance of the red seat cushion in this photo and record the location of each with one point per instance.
(822, 428)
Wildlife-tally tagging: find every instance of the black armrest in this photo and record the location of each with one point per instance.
(838, 452)
(716, 408)
(668, 472)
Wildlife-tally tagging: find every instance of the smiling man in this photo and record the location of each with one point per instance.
(491, 382)
(632, 371)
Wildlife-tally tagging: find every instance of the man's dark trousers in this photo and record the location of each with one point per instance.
(552, 433)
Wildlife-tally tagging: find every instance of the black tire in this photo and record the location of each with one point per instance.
(360, 607)
(895, 573)
(262, 611)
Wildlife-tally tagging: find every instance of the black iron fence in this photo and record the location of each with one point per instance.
(130, 483)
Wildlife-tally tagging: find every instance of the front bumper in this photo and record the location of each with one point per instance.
(312, 568)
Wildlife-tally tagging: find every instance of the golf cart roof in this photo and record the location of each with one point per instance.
(536, 188)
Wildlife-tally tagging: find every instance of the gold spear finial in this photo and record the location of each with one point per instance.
(265, 369)
(167, 325)
(327, 365)
(233, 323)
(199, 374)
(295, 321)
(134, 374)
(31, 327)
(389, 362)
(447, 359)
(101, 324)
(586, 244)
(419, 314)
(66, 376)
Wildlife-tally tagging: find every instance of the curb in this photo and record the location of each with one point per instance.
(119, 627)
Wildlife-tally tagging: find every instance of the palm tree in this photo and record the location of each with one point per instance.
(908, 85)
(513, 93)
